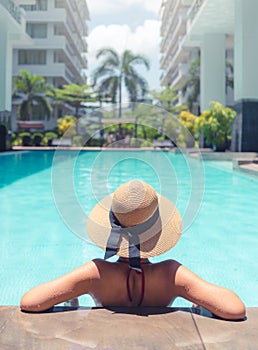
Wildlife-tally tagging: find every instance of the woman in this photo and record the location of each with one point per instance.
(135, 223)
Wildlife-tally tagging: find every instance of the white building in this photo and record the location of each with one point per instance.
(177, 52)
(220, 28)
(174, 60)
(12, 31)
(58, 29)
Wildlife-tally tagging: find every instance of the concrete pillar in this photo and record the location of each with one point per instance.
(5, 70)
(246, 49)
(245, 129)
(213, 69)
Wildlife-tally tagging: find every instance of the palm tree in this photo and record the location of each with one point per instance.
(115, 70)
(32, 89)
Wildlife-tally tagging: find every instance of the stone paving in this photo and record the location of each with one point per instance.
(121, 328)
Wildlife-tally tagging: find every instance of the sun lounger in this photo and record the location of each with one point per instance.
(61, 142)
(163, 144)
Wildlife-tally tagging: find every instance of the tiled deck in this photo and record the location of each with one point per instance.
(123, 328)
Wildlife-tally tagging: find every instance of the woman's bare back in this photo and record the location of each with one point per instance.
(117, 283)
(107, 282)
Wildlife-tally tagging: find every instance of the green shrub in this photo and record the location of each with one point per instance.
(216, 125)
(78, 141)
(24, 133)
(17, 141)
(135, 142)
(146, 143)
(49, 135)
(93, 143)
(38, 134)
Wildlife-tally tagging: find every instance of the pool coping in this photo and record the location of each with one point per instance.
(124, 328)
(74, 148)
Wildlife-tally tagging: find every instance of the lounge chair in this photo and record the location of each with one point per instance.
(163, 143)
(61, 142)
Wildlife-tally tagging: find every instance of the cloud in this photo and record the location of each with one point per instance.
(144, 40)
(99, 7)
(126, 24)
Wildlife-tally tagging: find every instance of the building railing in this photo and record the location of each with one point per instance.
(194, 9)
(14, 10)
(69, 75)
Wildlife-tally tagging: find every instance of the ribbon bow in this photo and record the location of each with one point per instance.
(132, 233)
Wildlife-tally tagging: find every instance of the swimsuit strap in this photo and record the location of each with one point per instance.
(128, 285)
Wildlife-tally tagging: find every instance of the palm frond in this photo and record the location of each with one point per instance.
(109, 53)
(131, 59)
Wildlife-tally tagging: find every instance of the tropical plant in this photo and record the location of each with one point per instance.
(49, 135)
(115, 70)
(192, 85)
(74, 95)
(229, 74)
(188, 127)
(188, 120)
(78, 140)
(67, 125)
(216, 125)
(32, 89)
(168, 100)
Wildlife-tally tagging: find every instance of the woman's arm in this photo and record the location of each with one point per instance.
(77, 282)
(218, 300)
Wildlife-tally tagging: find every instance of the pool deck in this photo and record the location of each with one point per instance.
(124, 328)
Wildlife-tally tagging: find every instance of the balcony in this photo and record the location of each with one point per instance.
(180, 74)
(25, 2)
(13, 9)
(49, 70)
(176, 27)
(56, 15)
(178, 30)
(77, 14)
(178, 55)
(55, 42)
(209, 16)
(64, 54)
(193, 11)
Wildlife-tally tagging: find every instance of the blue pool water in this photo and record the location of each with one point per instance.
(220, 240)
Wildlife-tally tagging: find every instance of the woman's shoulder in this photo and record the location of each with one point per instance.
(170, 265)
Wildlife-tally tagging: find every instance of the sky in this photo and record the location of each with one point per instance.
(126, 24)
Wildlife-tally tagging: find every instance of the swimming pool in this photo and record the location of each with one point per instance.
(220, 244)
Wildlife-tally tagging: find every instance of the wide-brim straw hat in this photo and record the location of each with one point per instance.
(133, 203)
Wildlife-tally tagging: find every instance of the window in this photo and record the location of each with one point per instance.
(41, 5)
(32, 57)
(37, 30)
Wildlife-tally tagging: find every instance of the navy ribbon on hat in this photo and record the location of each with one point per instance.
(132, 233)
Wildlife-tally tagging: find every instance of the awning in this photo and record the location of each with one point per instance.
(30, 124)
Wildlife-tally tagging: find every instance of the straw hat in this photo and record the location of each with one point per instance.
(134, 203)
